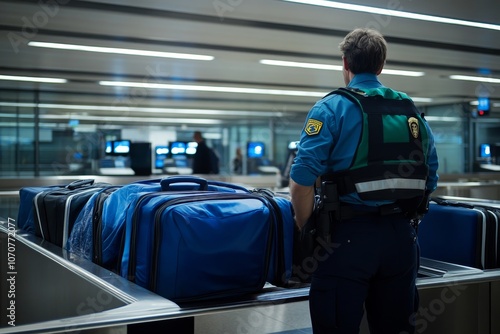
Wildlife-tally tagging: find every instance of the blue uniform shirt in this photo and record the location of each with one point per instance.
(330, 137)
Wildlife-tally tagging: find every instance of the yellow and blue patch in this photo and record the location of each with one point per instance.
(313, 127)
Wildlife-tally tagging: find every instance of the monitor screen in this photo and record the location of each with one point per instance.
(483, 103)
(191, 147)
(121, 147)
(255, 149)
(109, 147)
(161, 153)
(485, 151)
(162, 150)
(178, 147)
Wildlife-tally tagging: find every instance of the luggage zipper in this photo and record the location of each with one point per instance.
(97, 223)
(214, 196)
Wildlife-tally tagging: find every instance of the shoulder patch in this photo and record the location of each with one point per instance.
(313, 127)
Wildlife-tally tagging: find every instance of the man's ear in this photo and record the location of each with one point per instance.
(346, 65)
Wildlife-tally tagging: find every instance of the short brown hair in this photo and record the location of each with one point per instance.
(365, 50)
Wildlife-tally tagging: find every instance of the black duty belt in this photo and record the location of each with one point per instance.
(352, 211)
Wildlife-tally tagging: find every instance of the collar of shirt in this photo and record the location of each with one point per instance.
(365, 80)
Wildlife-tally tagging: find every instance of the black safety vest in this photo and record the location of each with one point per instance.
(390, 162)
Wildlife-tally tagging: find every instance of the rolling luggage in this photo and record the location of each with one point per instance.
(26, 216)
(98, 229)
(202, 244)
(97, 233)
(86, 235)
(55, 210)
(461, 233)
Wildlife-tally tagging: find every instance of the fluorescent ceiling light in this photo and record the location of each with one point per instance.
(473, 78)
(220, 89)
(32, 79)
(124, 109)
(132, 52)
(135, 120)
(332, 67)
(403, 73)
(300, 64)
(396, 13)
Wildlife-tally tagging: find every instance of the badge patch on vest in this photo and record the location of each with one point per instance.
(414, 127)
(313, 127)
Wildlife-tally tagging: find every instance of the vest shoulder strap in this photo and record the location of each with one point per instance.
(351, 93)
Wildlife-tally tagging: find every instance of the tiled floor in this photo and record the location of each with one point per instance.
(290, 318)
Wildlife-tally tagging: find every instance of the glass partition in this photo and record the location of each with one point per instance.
(33, 145)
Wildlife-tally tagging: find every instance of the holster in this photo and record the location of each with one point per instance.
(318, 228)
(328, 210)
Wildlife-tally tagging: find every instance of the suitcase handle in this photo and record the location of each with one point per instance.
(80, 184)
(166, 182)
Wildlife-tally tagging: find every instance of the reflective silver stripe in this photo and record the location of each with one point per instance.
(388, 184)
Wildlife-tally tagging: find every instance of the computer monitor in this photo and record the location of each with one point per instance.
(108, 148)
(255, 149)
(161, 153)
(485, 151)
(121, 147)
(191, 147)
(177, 148)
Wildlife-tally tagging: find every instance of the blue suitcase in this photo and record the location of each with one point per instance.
(461, 233)
(97, 232)
(85, 239)
(201, 244)
(26, 216)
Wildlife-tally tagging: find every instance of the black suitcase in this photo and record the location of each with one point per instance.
(55, 210)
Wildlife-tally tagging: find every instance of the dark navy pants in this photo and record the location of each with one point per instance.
(371, 264)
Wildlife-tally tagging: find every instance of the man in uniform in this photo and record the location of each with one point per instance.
(370, 142)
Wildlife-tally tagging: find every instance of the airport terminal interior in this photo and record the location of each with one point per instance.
(113, 91)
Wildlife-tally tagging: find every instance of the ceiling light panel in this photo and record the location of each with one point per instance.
(32, 79)
(397, 13)
(132, 52)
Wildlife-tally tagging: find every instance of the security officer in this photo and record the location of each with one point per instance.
(371, 142)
